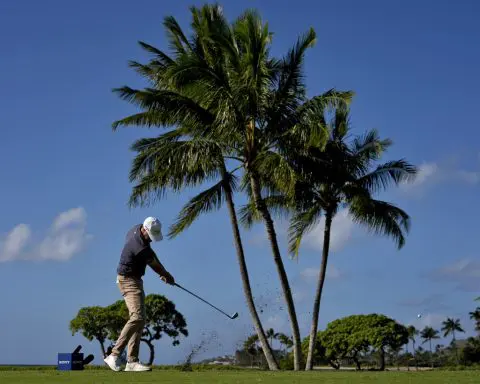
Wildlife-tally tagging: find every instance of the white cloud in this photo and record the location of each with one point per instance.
(427, 172)
(278, 323)
(430, 173)
(14, 242)
(464, 273)
(299, 296)
(66, 237)
(340, 233)
(311, 274)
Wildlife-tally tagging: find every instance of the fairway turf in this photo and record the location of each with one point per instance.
(239, 377)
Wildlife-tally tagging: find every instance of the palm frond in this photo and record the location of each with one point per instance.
(192, 160)
(278, 206)
(209, 200)
(369, 146)
(276, 172)
(397, 171)
(178, 42)
(381, 218)
(159, 55)
(168, 108)
(300, 224)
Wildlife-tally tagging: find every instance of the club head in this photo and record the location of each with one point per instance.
(234, 316)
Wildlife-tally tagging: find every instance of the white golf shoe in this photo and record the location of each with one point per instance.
(136, 367)
(113, 362)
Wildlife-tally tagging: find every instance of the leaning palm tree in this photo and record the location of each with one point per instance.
(343, 174)
(257, 106)
(429, 334)
(450, 326)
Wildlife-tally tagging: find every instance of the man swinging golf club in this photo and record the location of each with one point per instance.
(136, 255)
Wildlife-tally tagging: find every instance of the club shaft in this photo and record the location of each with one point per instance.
(198, 297)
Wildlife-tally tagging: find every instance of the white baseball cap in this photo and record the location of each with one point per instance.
(154, 228)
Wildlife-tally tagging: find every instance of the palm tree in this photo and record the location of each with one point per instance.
(475, 316)
(342, 174)
(412, 333)
(182, 158)
(254, 105)
(286, 341)
(450, 326)
(272, 335)
(429, 334)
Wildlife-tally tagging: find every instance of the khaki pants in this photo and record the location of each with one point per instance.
(134, 296)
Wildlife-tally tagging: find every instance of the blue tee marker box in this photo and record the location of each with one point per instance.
(70, 362)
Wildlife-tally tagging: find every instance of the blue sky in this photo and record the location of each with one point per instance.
(414, 68)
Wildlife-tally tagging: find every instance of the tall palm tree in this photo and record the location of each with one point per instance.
(342, 174)
(257, 104)
(450, 326)
(429, 334)
(412, 333)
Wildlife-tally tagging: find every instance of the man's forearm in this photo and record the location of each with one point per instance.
(157, 266)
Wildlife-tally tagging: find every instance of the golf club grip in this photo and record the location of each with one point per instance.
(198, 297)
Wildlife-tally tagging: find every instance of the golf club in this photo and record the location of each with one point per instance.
(234, 316)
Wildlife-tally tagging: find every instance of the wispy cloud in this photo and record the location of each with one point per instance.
(431, 173)
(66, 237)
(341, 233)
(435, 302)
(463, 273)
(311, 274)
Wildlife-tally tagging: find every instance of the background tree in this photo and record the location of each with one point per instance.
(162, 319)
(344, 174)
(272, 335)
(475, 316)
(412, 334)
(286, 341)
(354, 335)
(92, 323)
(449, 327)
(429, 334)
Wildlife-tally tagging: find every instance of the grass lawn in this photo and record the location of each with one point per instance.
(238, 377)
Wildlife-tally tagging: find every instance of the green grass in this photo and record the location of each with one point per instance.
(100, 376)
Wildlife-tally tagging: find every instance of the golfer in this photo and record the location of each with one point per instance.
(136, 255)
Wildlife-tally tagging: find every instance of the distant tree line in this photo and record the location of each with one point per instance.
(375, 341)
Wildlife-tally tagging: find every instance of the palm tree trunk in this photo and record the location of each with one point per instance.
(454, 343)
(277, 258)
(318, 292)
(269, 356)
(431, 353)
(414, 353)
